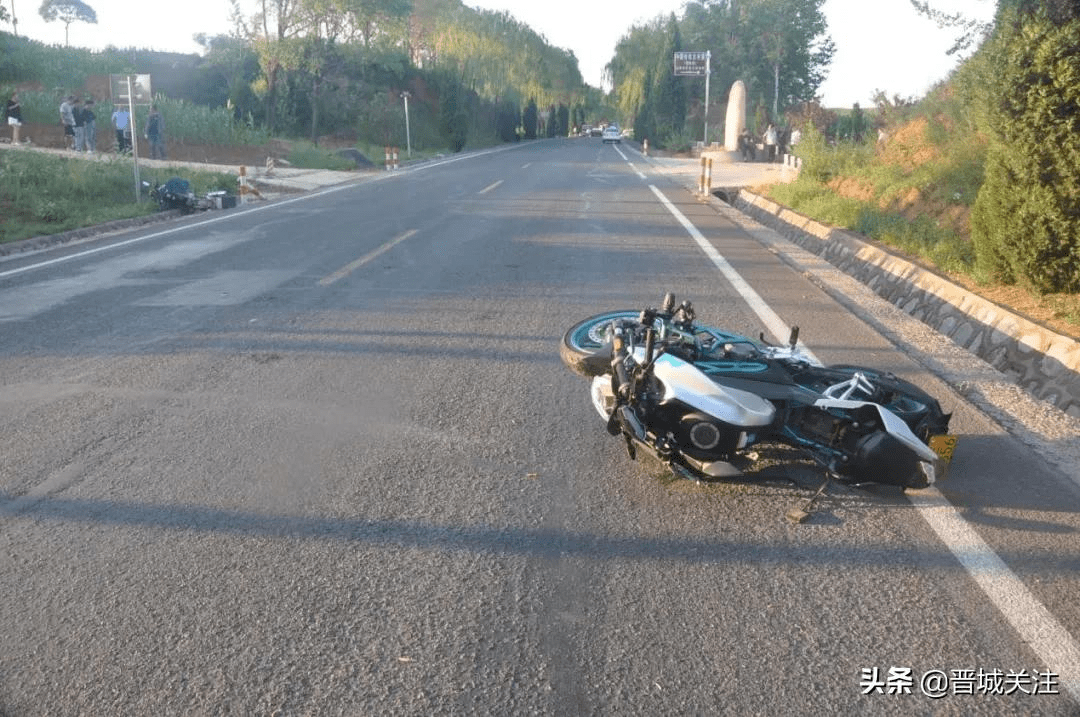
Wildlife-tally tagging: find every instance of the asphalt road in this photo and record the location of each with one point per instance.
(320, 457)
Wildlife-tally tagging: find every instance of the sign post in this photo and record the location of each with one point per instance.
(136, 90)
(696, 64)
(408, 139)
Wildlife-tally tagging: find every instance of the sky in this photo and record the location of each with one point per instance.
(880, 44)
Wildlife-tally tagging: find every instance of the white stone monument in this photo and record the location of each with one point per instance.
(735, 122)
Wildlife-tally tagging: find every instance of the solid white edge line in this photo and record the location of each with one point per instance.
(170, 230)
(1034, 624)
(772, 321)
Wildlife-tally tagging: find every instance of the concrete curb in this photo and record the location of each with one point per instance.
(1045, 363)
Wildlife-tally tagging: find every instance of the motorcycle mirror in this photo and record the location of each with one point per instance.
(669, 303)
(794, 338)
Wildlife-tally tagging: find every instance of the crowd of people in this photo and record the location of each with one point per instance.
(775, 143)
(79, 121)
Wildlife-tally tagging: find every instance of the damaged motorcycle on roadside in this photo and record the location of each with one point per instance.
(698, 398)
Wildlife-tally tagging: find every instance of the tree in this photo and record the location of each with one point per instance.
(506, 122)
(789, 44)
(1025, 223)
(529, 118)
(972, 32)
(668, 95)
(67, 12)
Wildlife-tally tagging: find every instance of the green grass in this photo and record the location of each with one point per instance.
(949, 177)
(42, 194)
(309, 156)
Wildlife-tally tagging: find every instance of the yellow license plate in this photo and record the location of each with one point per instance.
(943, 445)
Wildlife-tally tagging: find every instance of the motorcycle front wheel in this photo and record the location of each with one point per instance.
(586, 347)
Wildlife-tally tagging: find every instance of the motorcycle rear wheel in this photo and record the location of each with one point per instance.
(586, 347)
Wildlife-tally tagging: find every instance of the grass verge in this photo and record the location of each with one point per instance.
(42, 194)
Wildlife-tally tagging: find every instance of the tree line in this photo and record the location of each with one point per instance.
(317, 67)
(780, 49)
(324, 64)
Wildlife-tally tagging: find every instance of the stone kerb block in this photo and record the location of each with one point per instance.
(1046, 363)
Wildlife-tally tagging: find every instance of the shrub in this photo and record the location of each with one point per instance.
(1026, 218)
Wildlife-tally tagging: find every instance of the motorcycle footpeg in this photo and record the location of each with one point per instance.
(721, 469)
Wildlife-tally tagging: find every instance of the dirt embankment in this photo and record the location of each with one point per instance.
(909, 148)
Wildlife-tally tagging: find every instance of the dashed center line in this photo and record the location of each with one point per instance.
(354, 265)
(488, 188)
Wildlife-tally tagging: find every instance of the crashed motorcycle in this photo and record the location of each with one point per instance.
(176, 193)
(700, 398)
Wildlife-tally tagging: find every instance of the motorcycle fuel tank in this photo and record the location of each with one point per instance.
(684, 382)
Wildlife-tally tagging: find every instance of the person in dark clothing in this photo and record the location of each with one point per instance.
(80, 125)
(155, 132)
(90, 125)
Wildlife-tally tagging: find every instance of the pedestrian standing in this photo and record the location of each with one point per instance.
(80, 126)
(14, 116)
(90, 125)
(67, 119)
(121, 118)
(746, 146)
(155, 132)
(770, 142)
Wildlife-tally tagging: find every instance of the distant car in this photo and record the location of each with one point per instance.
(612, 134)
(585, 130)
(595, 132)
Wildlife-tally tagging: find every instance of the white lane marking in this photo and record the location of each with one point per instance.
(635, 169)
(1047, 637)
(354, 265)
(526, 165)
(1035, 625)
(133, 269)
(171, 230)
(772, 321)
(245, 211)
(488, 188)
(616, 147)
